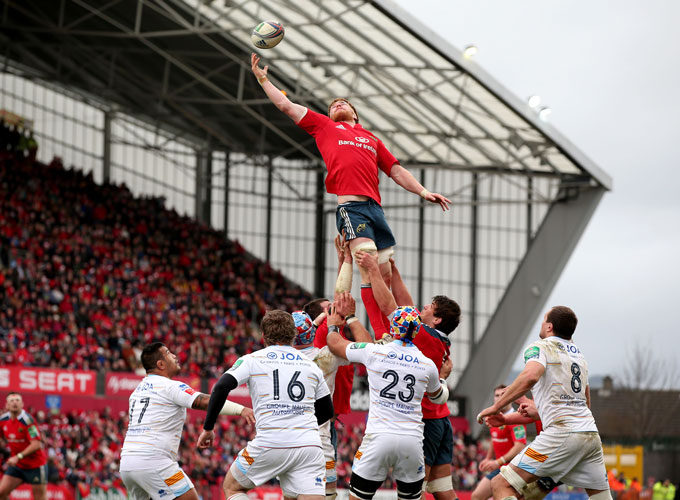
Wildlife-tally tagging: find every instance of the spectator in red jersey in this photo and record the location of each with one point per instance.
(353, 158)
(439, 319)
(507, 441)
(28, 463)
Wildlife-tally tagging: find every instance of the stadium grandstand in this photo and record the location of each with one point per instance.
(150, 191)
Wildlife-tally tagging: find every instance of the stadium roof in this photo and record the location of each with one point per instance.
(185, 64)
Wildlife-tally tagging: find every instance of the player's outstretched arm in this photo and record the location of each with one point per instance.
(285, 105)
(406, 180)
(229, 408)
(401, 294)
(524, 381)
(346, 307)
(336, 343)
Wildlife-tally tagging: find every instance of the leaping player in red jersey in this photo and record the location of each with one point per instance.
(353, 156)
(28, 463)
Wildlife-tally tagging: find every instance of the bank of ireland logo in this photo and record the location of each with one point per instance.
(271, 355)
(361, 139)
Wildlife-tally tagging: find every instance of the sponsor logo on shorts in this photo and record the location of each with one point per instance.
(539, 457)
(163, 493)
(531, 353)
(175, 478)
(247, 457)
(358, 345)
(361, 228)
(318, 480)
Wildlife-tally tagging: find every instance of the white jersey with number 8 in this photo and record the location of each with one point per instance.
(560, 394)
(284, 385)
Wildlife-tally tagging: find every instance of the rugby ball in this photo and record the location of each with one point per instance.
(267, 34)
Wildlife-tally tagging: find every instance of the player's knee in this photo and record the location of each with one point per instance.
(439, 484)
(511, 477)
(363, 488)
(409, 491)
(384, 256)
(602, 495)
(366, 246)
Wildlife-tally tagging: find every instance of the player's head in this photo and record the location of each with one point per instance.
(14, 402)
(305, 328)
(316, 307)
(157, 358)
(405, 323)
(341, 110)
(442, 313)
(498, 393)
(278, 328)
(560, 321)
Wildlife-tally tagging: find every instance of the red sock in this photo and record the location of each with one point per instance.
(375, 316)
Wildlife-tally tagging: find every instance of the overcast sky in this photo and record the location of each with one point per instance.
(610, 72)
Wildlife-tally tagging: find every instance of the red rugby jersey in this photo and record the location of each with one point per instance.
(435, 345)
(344, 378)
(352, 155)
(19, 432)
(503, 438)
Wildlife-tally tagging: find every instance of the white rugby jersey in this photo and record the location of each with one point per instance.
(327, 361)
(157, 413)
(398, 377)
(560, 394)
(283, 385)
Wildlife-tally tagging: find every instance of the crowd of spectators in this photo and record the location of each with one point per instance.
(92, 273)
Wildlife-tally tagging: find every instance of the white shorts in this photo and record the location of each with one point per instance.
(328, 451)
(301, 471)
(575, 458)
(160, 483)
(379, 453)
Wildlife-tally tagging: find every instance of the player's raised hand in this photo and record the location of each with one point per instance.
(345, 304)
(248, 414)
(366, 260)
(334, 317)
(438, 198)
(254, 63)
(206, 439)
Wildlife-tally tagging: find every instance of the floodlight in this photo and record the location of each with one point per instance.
(470, 51)
(534, 101)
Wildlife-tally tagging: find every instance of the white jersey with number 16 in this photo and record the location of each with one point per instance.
(284, 385)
